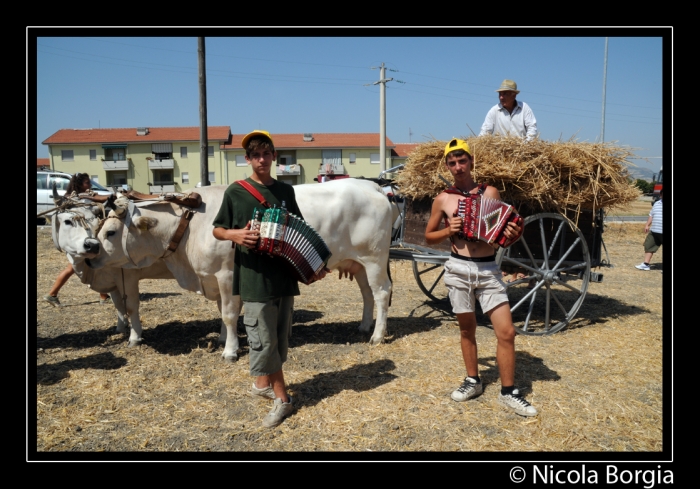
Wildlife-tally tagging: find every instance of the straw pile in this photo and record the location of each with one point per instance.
(546, 176)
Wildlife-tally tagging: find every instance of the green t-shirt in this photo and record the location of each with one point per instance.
(256, 277)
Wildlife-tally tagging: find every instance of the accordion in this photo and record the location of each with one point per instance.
(288, 236)
(485, 219)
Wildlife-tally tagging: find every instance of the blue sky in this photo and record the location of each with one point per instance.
(442, 86)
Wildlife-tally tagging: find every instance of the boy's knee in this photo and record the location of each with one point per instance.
(506, 334)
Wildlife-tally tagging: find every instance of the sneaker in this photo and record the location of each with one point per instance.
(280, 410)
(52, 300)
(267, 392)
(469, 388)
(516, 402)
(643, 266)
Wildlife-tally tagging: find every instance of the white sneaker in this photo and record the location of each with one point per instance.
(469, 388)
(516, 402)
(643, 266)
(280, 410)
(267, 392)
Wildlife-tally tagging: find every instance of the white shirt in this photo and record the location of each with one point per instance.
(521, 122)
(657, 217)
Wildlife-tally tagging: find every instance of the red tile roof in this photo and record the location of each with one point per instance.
(320, 140)
(404, 149)
(42, 162)
(128, 135)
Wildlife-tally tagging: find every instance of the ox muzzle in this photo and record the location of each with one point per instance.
(91, 246)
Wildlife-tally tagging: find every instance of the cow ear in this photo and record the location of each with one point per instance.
(145, 223)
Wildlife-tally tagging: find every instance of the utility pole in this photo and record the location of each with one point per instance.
(605, 77)
(382, 117)
(203, 139)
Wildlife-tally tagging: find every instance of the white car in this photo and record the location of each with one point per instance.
(44, 189)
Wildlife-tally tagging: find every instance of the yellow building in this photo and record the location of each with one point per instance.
(306, 158)
(167, 159)
(148, 160)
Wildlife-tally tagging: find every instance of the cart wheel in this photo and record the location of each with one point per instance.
(429, 278)
(556, 265)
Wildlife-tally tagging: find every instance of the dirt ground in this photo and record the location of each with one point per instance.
(597, 384)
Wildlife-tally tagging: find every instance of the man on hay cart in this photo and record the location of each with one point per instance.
(472, 272)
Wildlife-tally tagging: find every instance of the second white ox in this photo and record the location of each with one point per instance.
(70, 227)
(354, 217)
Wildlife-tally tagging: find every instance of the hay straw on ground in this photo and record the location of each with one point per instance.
(547, 176)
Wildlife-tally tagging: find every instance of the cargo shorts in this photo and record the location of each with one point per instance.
(652, 242)
(469, 280)
(268, 326)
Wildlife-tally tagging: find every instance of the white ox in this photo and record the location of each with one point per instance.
(354, 217)
(70, 229)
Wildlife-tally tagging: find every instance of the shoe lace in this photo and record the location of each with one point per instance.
(519, 399)
(466, 386)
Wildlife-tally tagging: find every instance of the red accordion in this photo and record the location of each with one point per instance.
(485, 219)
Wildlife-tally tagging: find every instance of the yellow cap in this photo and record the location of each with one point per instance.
(257, 132)
(456, 144)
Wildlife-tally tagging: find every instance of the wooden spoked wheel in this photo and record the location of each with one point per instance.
(550, 267)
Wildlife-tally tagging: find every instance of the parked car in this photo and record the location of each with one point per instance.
(44, 189)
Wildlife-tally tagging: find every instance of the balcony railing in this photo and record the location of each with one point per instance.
(161, 164)
(112, 165)
(289, 169)
(158, 189)
(331, 169)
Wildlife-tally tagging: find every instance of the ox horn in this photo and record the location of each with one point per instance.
(57, 199)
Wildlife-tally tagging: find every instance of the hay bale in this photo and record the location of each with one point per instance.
(545, 176)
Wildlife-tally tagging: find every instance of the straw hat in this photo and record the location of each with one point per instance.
(508, 86)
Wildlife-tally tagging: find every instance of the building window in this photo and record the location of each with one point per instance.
(210, 151)
(374, 158)
(212, 177)
(115, 155)
(93, 154)
(66, 155)
(183, 151)
(94, 178)
(162, 177)
(240, 160)
(185, 177)
(352, 158)
(116, 177)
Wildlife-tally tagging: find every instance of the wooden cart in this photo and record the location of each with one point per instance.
(548, 269)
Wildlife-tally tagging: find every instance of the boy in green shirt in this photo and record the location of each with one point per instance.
(266, 288)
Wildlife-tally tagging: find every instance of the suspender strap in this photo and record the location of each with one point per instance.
(253, 192)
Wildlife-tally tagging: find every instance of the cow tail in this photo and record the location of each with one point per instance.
(388, 272)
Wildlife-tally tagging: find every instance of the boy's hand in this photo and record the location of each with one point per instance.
(244, 237)
(322, 273)
(455, 225)
(512, 230)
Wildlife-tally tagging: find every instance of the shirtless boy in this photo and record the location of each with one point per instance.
(472, 273)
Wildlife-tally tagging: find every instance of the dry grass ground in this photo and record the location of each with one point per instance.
(639, 207)
(597, 384)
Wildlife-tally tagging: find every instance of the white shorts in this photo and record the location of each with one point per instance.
(467, 280)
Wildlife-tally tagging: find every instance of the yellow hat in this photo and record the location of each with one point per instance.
(257, 132)
(456, 144)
